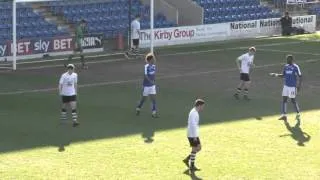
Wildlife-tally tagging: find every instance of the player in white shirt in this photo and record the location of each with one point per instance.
(193, 134)
(135, 37)
(68, 85)
(245, 63)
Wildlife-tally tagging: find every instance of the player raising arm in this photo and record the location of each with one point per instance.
(244, 64)
(292, 83)
(68, 86)
(149, 86)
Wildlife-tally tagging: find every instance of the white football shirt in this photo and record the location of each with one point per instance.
(135, 29)
(193, 123)
(68, 82)
(246, 62)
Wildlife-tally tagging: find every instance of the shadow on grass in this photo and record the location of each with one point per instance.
(148, 133)
(65, 136)
(297, 134)
(27, 122)
(148, 126)
(192, 174)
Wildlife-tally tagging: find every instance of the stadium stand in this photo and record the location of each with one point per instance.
(283, 3)
(219, 11)
(111, 17)
(29, 23)
(108, 18)
(279, 3)
(315, 8)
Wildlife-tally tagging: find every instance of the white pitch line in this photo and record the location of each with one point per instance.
(4, 67)
(61, 65)
(63, 59)
(161, 55)
(311, 60)
(292, 52)
(138, 80)
(173, 54)
(115, 54)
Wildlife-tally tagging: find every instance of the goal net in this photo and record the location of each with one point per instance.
(5, 33)
(44, 30)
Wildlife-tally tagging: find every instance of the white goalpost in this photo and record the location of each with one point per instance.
(10, 58)
(13, 47)
(151, 24)
(14, 35)
(14, 29)
(10, 63)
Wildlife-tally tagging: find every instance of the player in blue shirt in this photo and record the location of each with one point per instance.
(292, 83)
(149, 87)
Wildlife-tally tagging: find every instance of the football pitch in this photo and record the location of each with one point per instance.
(240, 139)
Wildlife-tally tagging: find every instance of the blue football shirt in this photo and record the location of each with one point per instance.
(150, 72)
(290, 74)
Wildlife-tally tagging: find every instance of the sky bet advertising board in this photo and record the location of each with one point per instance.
(49, 45)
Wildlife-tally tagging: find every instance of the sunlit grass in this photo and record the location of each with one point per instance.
(248, 149)
(313, 36)
(110, 143)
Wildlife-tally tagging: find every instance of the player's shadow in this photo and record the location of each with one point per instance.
(64, 136)
(192, 174)
(148, 131)
(148, 136)
(297, 134)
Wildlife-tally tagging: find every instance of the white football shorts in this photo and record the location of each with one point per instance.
(151, 90)
(290, 92)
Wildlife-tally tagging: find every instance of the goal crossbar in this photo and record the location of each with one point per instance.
(14, 27)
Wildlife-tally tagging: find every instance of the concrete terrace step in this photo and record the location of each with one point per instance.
(43, 9)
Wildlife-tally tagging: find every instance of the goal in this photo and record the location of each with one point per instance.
(37, 29)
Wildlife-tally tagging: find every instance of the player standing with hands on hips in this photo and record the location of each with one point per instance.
(292, 83)
(245, 63)
(68, 86)
(193, 134)
(135, 37)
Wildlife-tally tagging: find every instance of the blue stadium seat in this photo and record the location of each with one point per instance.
(97, 13)
(230, 10)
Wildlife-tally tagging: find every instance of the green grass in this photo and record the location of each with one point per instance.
(241, 140)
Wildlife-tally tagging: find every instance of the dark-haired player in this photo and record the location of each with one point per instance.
(79, 37)
(244, 64)
(68, 85)
(292, 83)
(193, 134)
(149, 86)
